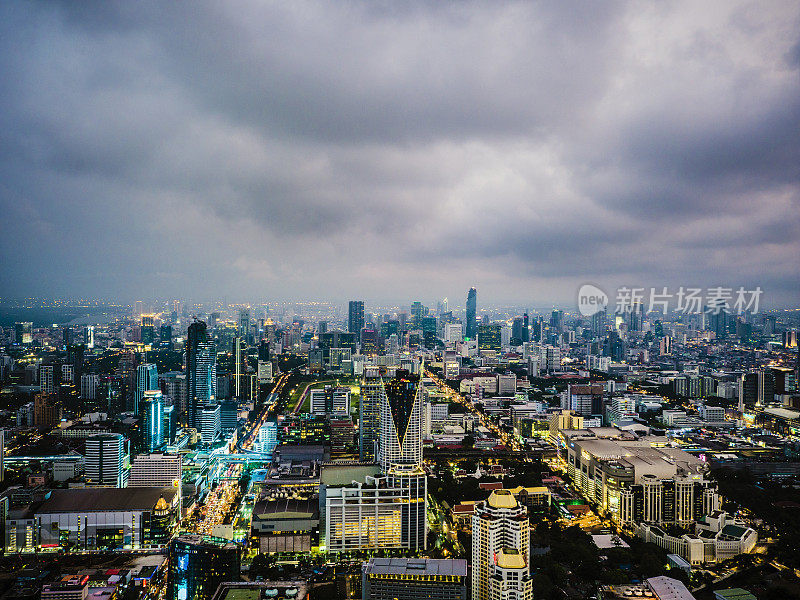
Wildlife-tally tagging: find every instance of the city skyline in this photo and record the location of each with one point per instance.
(613, 145)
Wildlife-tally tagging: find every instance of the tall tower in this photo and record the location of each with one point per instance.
(472, 313)
(369, 420)
(401, 454)
(152, 411)
(201, 371)
(244, 322)
(355, 316)
(401, 421)
(238, 360)
(146, 380)
(500, 549)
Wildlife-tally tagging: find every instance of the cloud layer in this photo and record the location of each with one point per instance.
(392, 151)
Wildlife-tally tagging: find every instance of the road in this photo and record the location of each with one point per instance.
(219, 501)
(455, 396)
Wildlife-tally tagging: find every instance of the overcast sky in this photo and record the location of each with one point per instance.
(398, 150)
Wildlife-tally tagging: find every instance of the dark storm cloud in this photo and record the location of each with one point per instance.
(394, 150)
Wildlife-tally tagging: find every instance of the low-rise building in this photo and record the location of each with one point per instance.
(391, 578)
(93, 520)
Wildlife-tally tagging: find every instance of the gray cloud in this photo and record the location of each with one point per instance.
(279, 150)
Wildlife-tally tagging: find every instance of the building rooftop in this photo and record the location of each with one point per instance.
(105, 499)
(510, 558)
(297, 590)
(734, 594)
(416, 566)
(667, 588)
(502, 499)
(287, 508)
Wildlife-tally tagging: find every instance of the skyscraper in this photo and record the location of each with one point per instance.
(390, 510)
(201, 371)
(244, 322)
(500, 549)
(355, 316)
(107, 459)
(369, 422)
(489, 337)
(401, 421)
(472, 313)
(148, 331)
(557, 320)
(197, 565)
(239, 364)
(152, 413)
(146, 380)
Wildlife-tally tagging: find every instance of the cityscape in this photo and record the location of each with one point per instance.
(400, 301)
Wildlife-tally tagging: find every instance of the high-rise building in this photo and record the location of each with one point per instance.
(89, 386)
(165, 336)
(435, 578)
(489, 337)
(201, 371)
(244, 322)
(518, 331)
(369, 421)
(330, 400)
(210, 423)
(47, 379)
(557, 320)
(472, 314)
(107, 460)
(401, 421)
(152, 413)
(197, 565)
(417, 312)
(355, 316)
(156, 470)
(757, 388)
(23, 333)
(239, 364)
(148, 330)
(2, 453)
(267, 438)
(500, 549)
(390, 510)
(599, 323)
(88, 336)
(146, 380)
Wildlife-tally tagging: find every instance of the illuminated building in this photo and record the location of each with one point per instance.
(489, 337)
(197, 565)
(107, 460)
(201, 371)
(92, 520)
(330, 400)
(355, 316)
(152, 413)
(638, 479)
(304, 429)
(370, 412)
(211, 423)
(500, 549)
(387, 510)
(23, 333)
(437, 579)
